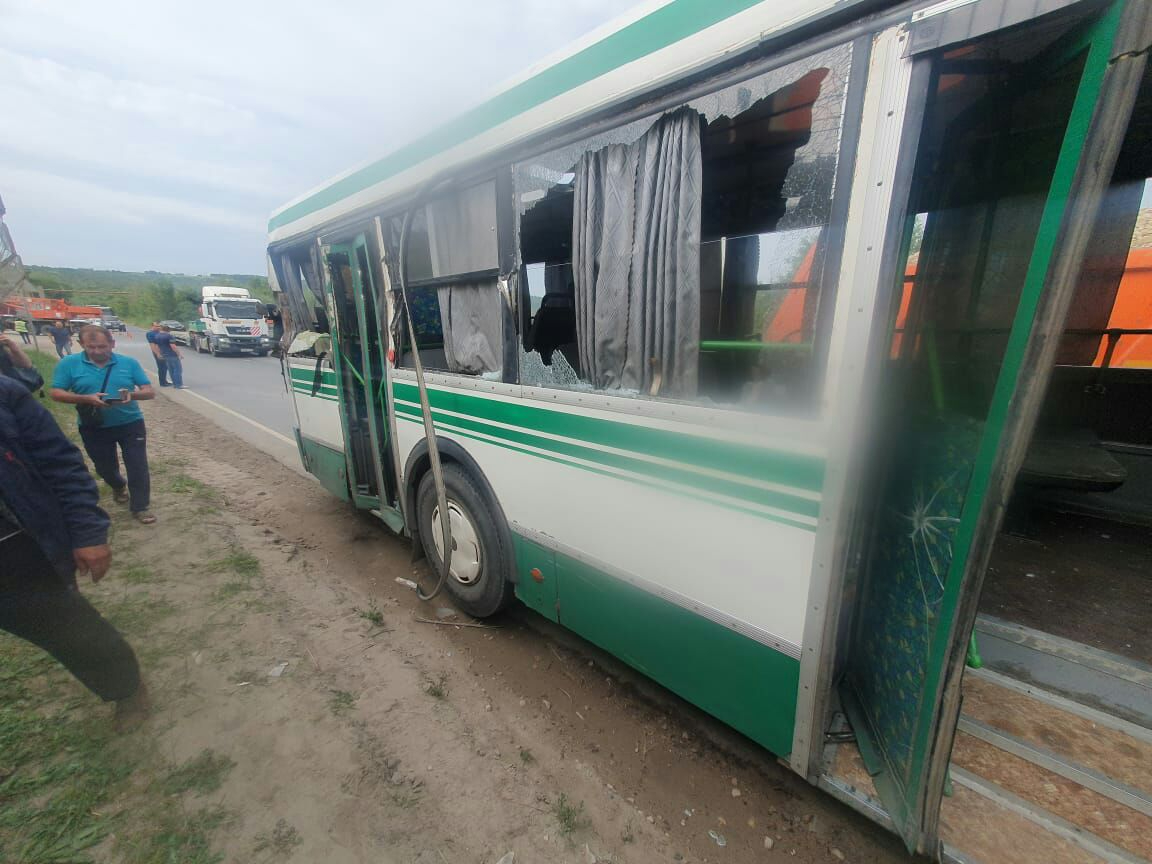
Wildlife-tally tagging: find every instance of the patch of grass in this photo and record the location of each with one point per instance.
(137, 575)
(243, 564)
(628, 836)
(176, 836)
(231, 589)
(526, 756)
(405, 798)
(282, 840)
(437, 689)
(341, 702)
(201, 775)
(570, 818)
(183, 484)
(372, 614)
(137, 614)
(61, 763)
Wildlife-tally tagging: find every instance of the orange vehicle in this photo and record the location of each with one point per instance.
(45, 311)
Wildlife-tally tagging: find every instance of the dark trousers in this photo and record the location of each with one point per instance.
(27, 339)
(161, 370)
(40, 606)
(101, 443)
(176, 370)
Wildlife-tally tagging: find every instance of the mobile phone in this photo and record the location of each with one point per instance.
(109, 401)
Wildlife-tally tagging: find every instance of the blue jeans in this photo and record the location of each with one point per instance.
(101, 443)
(161, 370)
(176, 370)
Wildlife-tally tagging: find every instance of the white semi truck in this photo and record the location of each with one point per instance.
(231, 322)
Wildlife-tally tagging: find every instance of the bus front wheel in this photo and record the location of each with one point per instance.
(478, 564)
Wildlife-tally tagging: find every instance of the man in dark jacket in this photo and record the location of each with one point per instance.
(51, 526)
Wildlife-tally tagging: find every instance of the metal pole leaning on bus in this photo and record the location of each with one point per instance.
(426, 411)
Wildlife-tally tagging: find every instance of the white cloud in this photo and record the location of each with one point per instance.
(29, 192)
(210, 111)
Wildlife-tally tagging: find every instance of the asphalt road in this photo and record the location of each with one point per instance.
(250, 386)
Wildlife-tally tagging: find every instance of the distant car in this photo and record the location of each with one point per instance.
(174, 326)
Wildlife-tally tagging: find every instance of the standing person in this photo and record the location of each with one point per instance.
(105, 388)
(167, 348)
(62, 336)
(22, 328)
(161, 363)
(51, 526)
(17, 365)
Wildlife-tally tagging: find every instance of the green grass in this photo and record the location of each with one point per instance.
(67, 781)
(136, 575)
(184, 484)
(65, 414)
(243, 564)
(62, 766)
(372, 614)
(570, 818)
(240, 564)
(437, 689)
(176, 837)
(201, 775)
(341, 702)
(526, 756)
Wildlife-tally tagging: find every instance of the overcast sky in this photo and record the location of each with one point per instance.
(159, 136)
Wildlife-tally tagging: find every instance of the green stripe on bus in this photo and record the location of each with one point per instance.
(717, 485)
(787, 469)
(659, 29)
(745, 683)
(603, 472)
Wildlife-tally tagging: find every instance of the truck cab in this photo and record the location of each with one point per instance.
(231, 322)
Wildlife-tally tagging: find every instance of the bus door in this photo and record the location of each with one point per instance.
(1003, 130)
(359, 362)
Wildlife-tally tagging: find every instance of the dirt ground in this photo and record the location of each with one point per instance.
(388, 739)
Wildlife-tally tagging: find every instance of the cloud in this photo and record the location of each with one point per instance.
(216, 112)
(30, 192)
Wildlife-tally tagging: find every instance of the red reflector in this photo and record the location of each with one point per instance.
(536, 575)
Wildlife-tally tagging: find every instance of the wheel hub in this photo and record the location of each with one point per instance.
(465, 564)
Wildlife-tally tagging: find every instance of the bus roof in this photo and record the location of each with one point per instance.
(655, 43)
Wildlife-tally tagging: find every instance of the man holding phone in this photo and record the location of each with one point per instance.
(105, 387)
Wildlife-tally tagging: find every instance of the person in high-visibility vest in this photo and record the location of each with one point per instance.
(22, 329)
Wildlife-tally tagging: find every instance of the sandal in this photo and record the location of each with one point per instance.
(144, 517)
(120, 496)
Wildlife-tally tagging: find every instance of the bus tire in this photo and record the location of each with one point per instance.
(478, 581)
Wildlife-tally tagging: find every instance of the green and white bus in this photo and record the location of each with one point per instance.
(722, 338)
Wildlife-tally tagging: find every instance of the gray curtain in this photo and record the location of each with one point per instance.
(472, 317)
(636, 260)
(462, 234)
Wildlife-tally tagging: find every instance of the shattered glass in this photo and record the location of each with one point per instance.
(534, 372)
(810, 182)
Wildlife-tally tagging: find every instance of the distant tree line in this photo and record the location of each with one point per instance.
(139, 298)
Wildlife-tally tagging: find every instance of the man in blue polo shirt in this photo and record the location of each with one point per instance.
(161, 363)
(105, 388)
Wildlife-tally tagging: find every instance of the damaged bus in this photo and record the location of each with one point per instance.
(775, 348)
